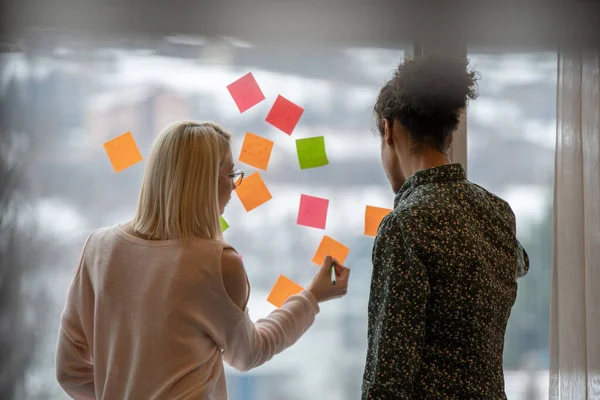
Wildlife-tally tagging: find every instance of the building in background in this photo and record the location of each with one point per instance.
(145, 110)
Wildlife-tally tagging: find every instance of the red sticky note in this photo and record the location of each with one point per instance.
(284, 288)
(245, 92)
(312, 211)
(284, 115)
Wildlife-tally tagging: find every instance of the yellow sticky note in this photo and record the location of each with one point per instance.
(253, 192)
(284, 288)
(123, 152)
(373, 217)
(330, 247)
(256, 151)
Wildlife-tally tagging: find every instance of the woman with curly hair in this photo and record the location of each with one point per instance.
(446, 260)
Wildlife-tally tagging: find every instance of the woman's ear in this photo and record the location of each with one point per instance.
(387, 132)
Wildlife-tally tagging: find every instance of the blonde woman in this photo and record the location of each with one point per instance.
(157, 304)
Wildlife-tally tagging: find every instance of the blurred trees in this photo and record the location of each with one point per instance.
(21, 247)
(16, 332)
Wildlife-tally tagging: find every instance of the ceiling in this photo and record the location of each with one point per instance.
(311, 23)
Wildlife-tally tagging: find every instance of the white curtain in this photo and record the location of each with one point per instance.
(575, 306)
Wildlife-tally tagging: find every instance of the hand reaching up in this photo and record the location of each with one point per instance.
(321, 286)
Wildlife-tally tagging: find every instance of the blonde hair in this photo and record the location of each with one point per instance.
(179, 195)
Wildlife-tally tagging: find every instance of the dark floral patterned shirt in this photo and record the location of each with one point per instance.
(445, 269)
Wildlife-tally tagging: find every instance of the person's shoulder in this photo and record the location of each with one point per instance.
(226, 246)
(104, 231)
(395, 222)
(98, 237)
(414, 210)
(232, 262)
(234, 276)
(492, 198)
(413, 220)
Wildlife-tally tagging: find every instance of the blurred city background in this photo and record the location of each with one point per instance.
(62, 99)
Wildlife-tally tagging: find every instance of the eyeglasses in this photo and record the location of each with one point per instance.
(236, 177)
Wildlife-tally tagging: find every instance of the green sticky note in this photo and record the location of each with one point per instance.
(224, 224)
(311, 152)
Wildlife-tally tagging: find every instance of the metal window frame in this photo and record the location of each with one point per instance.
(313, 23)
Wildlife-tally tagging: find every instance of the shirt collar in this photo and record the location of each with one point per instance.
(443, 173)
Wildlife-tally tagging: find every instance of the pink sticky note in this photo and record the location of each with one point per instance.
(313, 211)
(245, 92)
(284, 115)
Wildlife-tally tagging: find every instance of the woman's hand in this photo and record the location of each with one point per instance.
(321, 286)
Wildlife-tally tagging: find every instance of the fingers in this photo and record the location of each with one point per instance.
(342, 273)
(342, 288)
(328, 261)
(341, 270)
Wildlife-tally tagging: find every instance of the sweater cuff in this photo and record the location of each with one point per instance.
(314, 304)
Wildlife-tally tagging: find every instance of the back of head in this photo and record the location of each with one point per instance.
(179, 195)
(426, 96)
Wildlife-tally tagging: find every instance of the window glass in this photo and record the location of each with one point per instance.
(78, 97)
(65, 101)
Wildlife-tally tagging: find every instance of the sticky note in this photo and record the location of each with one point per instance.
(245, 92)
(284, 288)
(312, 211)
(330, 247)
(311, 152)
(256, 151)
(284, 115)
(253, 192)
(224, 224)
(373, 217)
(123, 152)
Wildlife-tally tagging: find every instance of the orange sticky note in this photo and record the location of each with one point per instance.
(373, 217)
(330, 247)
(253, 192)
(284, 288)
(123, 152)
(256, 151)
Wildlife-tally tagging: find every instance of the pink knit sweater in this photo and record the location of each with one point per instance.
(153, 320)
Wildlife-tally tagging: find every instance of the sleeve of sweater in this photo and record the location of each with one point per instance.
(246, 344)
(249, 345)
(74, 363)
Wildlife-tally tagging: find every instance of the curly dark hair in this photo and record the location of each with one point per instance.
(426, 96)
